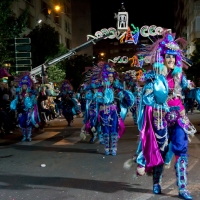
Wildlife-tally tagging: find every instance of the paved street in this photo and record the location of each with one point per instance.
(77, 170)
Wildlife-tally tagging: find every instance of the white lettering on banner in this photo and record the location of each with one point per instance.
(152, 30)
(112, 31)
(119, 59)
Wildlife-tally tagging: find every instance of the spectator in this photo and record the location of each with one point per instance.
(45, 108)
(5, 120)
(190, 98)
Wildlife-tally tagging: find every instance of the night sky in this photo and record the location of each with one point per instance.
(141, 12)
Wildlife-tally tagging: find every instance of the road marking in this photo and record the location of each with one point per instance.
(63, 142)
(167, 184)
(39, 138)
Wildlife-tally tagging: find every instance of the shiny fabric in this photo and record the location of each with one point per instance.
(169, 155)
(109, 119)
(150, 147)
(24, 119)
(181, 173)
(156, 189)
(123, 112)
(160, 89)
(184, 82)
(177, 100)
(122, 128)
(139, 148)
(197, 95)
(140, 159)
(179, 140)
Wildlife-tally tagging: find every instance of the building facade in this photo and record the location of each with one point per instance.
(71, 19)
(187, 21)
(81, 24)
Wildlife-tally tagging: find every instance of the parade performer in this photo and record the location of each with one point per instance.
(131, 82)
(69, 105)
(93, 100)
(25, 104)
(111, 94)
(161, 119)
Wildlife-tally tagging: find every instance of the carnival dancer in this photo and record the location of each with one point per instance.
(92, 125)
(26, 106)
(93, 100)
(162, 118)
(69, 105)
(131, 82)
(112, 94)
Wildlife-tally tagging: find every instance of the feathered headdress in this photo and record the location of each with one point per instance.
(66, 84)
(24, 79)
(168, 45)
(129, 75)
(107, 68)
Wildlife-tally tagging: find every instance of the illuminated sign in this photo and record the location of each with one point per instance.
(152, 30)
(136, 62)
(122, 21)
(112, 31)
(131, 36)
(119, 59)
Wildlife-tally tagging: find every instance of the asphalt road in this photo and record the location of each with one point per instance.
(77, 170)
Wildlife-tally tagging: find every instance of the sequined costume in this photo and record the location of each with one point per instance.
(110, 94)
(130, 79)
(162, 122)
(25, 104)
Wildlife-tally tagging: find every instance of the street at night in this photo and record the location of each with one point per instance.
(99, 100)
(75, 169)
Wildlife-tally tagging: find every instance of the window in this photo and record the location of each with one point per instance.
(197, 27)
(68, 43)
(56, 18)
(197, 5)
(115, 43)
(67, 27)
(67, 10)
(44, 8)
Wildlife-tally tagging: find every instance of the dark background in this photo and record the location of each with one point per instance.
(141, 12)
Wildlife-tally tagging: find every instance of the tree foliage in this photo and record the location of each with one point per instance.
(44, 43)
(10, 27)
(55, 74)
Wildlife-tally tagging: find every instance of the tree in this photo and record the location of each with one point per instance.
(75, 66)
(193, 73)
(44, 43)
(10, 27)
(55, 74)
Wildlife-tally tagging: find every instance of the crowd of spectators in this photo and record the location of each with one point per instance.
(49, 106)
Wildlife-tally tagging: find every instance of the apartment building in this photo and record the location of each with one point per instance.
(187, 21)
(81, 24)
(71, 19)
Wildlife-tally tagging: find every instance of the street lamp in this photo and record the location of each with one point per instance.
(56, 8)
(102, 54)
(39, 21)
